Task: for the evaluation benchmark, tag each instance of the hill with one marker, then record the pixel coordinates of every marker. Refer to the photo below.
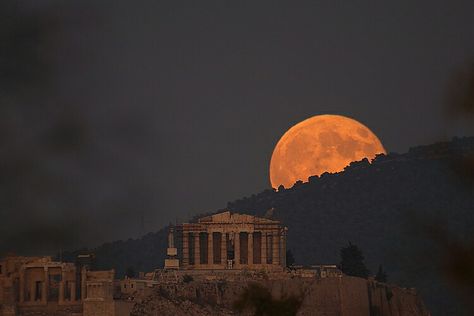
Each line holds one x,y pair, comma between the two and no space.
388,208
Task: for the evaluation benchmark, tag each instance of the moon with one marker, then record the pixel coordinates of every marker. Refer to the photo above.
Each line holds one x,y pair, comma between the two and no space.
322,143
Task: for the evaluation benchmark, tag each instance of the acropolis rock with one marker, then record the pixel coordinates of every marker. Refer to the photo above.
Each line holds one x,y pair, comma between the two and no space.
337,296
211,266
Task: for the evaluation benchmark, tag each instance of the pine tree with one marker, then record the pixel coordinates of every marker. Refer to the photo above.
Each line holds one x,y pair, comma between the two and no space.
290,260
381,275
352,261
130,273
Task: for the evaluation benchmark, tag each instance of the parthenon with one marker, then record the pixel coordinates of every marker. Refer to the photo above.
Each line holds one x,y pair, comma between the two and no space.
233,241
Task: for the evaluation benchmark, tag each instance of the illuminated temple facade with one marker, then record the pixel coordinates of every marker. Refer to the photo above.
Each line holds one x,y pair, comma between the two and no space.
233,241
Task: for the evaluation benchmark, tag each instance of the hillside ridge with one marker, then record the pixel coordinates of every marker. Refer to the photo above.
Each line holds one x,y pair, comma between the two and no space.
379,206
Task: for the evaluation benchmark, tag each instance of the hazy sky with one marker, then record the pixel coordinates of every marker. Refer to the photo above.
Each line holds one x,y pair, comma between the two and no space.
119,117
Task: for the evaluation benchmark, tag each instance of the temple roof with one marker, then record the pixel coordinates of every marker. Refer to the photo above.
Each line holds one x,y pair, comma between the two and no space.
229,217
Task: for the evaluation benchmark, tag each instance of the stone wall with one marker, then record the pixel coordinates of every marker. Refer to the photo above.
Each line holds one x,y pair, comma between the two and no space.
92,308
342,296
107,308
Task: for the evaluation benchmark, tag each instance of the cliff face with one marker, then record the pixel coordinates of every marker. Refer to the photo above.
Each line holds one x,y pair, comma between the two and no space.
328,297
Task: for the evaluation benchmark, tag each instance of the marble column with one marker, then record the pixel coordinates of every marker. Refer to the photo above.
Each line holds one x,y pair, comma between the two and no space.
61,292
264,248
224,250
237,249
185,262
250,248
276,248
33,291
22,285
197,252
283,248
45,287
61,288
73,291
210,248
83,284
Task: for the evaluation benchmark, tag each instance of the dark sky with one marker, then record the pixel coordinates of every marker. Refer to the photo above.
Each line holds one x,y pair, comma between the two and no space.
119,117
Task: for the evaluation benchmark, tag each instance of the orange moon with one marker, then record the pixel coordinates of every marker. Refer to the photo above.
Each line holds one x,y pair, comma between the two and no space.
322,143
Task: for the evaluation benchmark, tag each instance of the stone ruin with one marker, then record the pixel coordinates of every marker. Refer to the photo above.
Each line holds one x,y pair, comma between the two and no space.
227,241
209,263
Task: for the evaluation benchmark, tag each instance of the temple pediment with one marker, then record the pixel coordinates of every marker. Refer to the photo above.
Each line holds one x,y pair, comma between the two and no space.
229,217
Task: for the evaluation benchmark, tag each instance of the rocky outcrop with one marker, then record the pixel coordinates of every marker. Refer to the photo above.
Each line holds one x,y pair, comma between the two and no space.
328,297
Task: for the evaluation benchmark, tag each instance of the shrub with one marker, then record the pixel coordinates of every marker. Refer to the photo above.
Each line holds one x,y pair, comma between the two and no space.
187,278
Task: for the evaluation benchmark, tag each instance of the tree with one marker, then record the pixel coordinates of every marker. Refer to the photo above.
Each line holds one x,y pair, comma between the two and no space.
258,300
290,260
187,278
352,261
130,273
381,275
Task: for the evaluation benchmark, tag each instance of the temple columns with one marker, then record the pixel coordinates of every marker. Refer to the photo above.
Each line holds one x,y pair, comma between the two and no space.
83,284
197,252
32,292
271,252
237,249
283,249
73,291
210,248
250,248
61,288
185,249
45,287
276,248
22,285
224,249
61,292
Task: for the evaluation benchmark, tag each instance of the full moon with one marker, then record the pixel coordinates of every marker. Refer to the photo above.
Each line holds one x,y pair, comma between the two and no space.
322,143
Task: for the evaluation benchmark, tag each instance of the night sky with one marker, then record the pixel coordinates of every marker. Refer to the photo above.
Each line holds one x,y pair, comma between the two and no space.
120,117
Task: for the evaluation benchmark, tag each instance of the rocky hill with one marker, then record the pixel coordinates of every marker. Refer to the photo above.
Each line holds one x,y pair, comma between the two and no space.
329,297
385,207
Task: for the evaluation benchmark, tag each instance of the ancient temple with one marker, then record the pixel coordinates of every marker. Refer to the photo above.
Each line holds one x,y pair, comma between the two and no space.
233,241
41,286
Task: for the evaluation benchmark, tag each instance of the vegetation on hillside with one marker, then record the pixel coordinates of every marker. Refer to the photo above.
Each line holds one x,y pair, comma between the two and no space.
352,261
258,299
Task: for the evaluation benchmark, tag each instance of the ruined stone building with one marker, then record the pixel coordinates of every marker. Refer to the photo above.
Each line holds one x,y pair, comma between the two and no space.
233,241
41,286
224,243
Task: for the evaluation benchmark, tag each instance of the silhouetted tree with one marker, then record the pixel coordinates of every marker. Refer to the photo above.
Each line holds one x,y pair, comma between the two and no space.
290,260
187,278
352,261
259,300
130,272
381,275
